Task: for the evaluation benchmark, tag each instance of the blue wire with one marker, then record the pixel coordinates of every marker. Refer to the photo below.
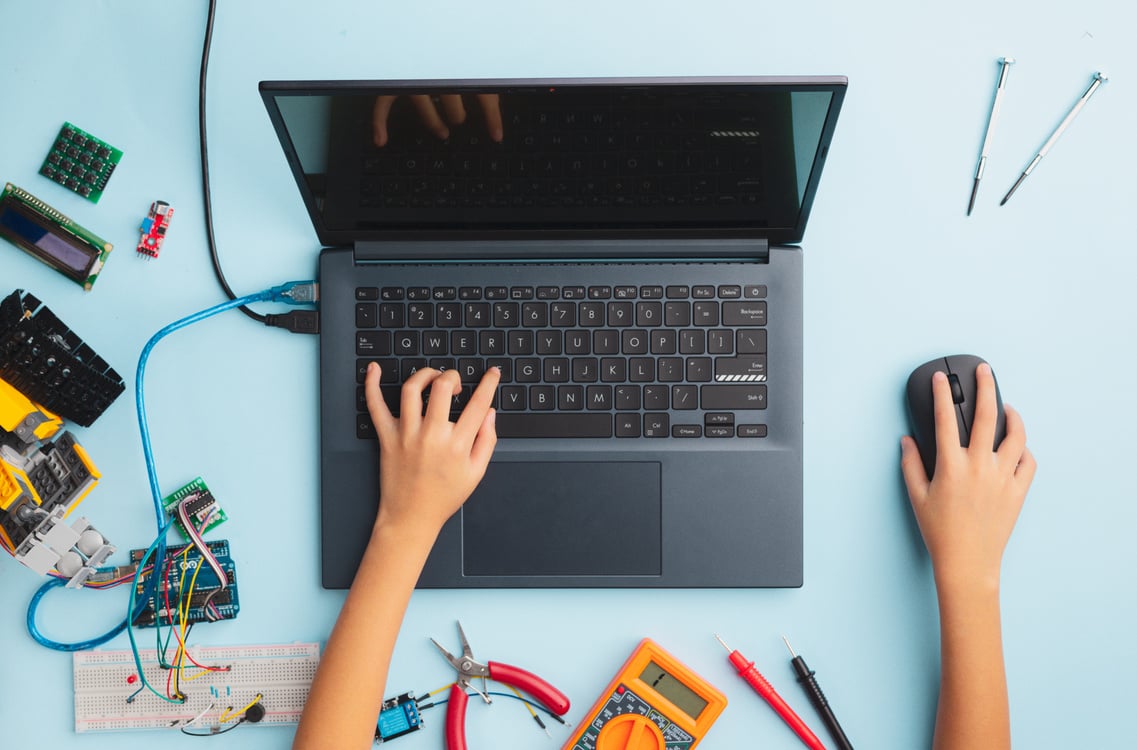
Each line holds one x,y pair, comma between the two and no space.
143,425
281,293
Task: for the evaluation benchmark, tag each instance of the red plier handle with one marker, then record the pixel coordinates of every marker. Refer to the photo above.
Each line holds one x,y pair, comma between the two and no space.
553,699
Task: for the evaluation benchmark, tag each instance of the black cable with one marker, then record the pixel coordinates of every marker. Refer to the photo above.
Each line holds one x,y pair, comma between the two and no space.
211,733
205,166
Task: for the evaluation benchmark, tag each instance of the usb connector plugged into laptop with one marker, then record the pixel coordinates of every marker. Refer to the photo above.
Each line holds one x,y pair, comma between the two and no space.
296,321
296,293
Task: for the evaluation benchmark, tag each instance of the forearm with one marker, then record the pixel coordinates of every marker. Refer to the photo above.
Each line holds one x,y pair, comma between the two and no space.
344,700
973,710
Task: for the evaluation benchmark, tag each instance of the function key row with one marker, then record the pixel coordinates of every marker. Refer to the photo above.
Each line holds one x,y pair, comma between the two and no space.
446,293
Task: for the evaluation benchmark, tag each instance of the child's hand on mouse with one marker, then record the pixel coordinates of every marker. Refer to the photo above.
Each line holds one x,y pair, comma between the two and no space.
428,464
967,511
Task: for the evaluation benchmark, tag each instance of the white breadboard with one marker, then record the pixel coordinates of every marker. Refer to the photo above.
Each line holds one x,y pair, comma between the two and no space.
105,679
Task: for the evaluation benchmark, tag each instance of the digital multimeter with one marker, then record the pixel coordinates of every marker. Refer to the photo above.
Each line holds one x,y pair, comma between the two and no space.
653,703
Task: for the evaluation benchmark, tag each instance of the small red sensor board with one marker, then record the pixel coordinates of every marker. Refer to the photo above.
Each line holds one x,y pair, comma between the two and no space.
154,228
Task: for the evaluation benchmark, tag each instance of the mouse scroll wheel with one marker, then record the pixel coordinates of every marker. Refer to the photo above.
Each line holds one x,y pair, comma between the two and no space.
956,389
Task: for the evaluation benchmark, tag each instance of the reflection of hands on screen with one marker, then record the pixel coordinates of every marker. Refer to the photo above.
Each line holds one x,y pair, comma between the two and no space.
453,112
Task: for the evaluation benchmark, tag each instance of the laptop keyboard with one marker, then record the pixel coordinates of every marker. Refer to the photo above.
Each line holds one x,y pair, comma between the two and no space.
579,361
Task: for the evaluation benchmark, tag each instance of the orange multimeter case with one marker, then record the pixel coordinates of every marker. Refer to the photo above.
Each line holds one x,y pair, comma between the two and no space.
654,702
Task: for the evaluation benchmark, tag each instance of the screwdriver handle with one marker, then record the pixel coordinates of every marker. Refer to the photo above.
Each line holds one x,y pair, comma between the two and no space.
755,679
817,698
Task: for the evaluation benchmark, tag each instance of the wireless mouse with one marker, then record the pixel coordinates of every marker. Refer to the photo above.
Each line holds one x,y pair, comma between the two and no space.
960,369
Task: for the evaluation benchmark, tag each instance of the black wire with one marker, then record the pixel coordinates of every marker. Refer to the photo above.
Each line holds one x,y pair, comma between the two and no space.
212,733
205,166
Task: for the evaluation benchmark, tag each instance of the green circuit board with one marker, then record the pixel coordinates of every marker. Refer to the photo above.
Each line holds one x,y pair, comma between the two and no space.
80,162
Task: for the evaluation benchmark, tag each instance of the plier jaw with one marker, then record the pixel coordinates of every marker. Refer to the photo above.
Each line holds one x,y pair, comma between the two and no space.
465,665
469,668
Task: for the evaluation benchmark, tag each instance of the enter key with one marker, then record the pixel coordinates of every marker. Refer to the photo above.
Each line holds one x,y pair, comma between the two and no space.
746,369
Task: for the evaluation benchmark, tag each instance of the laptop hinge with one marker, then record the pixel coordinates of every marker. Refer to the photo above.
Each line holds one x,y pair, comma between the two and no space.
449,251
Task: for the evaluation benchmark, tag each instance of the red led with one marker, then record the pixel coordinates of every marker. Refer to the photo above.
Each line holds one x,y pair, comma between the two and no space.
132,679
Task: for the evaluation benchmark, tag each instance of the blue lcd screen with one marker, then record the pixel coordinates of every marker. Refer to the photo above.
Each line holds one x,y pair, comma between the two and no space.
50,246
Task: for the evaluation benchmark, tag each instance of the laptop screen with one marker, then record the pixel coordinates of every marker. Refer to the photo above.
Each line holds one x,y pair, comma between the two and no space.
734,156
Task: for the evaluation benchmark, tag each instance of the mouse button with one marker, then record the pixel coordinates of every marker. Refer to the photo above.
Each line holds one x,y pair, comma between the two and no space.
956,389
963,423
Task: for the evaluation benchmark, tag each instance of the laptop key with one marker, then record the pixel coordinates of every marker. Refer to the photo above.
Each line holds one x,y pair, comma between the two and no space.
733,396
744,313
656,425
558,425
627,425
741,369
366,315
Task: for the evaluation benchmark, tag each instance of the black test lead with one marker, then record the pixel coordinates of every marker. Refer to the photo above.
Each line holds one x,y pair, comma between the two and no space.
817,698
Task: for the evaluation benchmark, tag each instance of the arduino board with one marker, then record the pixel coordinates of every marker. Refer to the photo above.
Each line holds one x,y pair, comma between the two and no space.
189,588
80,162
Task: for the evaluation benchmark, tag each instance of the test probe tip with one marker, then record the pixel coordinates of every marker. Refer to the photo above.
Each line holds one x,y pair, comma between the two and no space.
720,640
791,648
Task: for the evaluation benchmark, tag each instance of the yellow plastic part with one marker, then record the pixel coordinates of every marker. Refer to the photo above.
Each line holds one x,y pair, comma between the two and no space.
15,408
95,477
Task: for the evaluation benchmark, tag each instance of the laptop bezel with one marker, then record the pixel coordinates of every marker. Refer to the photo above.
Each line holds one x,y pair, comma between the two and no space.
270,89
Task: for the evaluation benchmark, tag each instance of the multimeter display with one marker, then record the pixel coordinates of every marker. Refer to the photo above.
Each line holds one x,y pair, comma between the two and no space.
673,689
654,703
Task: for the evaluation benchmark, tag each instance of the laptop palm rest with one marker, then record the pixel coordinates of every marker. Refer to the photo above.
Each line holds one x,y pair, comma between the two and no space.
568,518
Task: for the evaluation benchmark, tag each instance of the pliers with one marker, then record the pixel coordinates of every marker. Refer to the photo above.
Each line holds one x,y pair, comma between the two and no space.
468,669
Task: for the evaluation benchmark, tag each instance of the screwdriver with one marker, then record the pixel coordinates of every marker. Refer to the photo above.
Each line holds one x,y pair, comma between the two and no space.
750,673
817,698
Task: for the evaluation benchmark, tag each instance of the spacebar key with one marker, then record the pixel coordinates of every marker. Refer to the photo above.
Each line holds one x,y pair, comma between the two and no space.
553,425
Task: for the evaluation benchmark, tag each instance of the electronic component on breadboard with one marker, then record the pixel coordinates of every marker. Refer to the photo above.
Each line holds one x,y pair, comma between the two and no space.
397,716
186,573
47,362
45,233
202,507
280,674
154,228
80,162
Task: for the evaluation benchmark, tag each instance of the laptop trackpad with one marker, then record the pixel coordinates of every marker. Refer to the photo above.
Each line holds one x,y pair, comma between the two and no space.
564,519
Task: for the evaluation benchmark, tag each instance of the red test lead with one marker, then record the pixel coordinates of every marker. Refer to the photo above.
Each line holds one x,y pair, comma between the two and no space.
751,674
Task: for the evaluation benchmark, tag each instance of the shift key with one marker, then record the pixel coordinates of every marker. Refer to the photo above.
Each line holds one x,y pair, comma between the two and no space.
733,396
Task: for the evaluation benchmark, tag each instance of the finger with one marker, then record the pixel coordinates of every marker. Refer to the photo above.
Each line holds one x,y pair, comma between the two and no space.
986,410
380,112
429,116
410,403
453,109
470,421
947,430
491,110
1024,474
1011,449
385,422
912,467
442,391
485,441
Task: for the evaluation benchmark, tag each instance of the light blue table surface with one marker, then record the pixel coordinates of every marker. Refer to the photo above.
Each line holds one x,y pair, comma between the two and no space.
895,275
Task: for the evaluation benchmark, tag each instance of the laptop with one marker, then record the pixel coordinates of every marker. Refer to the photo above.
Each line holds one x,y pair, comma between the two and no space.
625,250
